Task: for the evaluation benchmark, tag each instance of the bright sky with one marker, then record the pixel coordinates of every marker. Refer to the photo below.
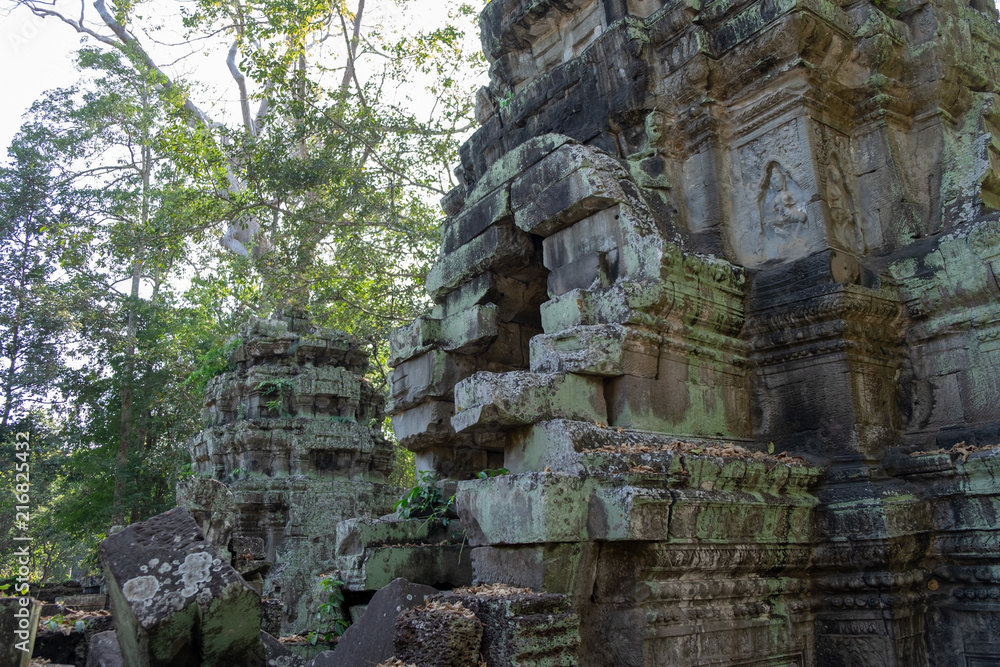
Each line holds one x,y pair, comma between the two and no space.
38,55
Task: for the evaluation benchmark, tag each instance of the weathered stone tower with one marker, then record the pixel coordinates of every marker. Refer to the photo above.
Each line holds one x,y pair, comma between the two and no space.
292,445
763,222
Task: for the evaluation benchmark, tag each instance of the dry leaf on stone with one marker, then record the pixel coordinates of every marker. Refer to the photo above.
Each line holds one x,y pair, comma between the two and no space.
494,590
959,448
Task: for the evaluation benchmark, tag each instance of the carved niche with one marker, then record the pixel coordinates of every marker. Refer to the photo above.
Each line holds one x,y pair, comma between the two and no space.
776,215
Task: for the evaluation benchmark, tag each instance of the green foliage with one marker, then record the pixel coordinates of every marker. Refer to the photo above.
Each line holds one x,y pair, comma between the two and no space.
424,500
329,617
214,361
53,553
280,390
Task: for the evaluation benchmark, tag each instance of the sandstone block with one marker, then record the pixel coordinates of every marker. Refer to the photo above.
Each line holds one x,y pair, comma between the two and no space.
673,404
594,234
642,303
570,185
563,568
277,654
448,566
473,220
588,272
369,641
530,508
515,162
516,300
175,601
354,535
211,504
469,331
414,339
523,628
431,375
424,425
500,248
438,634
503,400
606,350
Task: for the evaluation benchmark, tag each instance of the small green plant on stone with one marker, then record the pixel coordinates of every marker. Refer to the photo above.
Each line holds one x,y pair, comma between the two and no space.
329,622
492,472
279,389
424,500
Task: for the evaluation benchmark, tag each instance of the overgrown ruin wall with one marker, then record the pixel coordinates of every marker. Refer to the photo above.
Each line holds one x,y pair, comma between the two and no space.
688,232
292,446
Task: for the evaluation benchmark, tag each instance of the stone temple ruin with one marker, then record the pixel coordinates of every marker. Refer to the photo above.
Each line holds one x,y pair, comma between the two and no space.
766,223
719,289
294,431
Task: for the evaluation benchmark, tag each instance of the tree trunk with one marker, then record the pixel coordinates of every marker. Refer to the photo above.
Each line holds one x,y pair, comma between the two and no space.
127,423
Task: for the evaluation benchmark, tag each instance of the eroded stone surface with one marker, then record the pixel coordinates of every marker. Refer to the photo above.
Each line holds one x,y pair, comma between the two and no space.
438,634
104,651
175,600
19,623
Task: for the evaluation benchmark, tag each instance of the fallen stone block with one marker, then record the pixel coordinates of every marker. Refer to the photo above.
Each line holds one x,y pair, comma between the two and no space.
369,642
213,507
19,623
277,654
174,599
438,634
271,615
504,400
521,627
104,651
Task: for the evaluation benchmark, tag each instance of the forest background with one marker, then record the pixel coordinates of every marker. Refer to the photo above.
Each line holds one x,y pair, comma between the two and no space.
145,215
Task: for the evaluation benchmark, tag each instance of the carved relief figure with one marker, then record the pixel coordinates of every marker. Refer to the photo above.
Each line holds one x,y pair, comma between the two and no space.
841,205
784,232
782,205
649,166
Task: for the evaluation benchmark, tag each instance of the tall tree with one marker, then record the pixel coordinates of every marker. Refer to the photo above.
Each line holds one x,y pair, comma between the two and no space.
32,319
108,142
329,169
